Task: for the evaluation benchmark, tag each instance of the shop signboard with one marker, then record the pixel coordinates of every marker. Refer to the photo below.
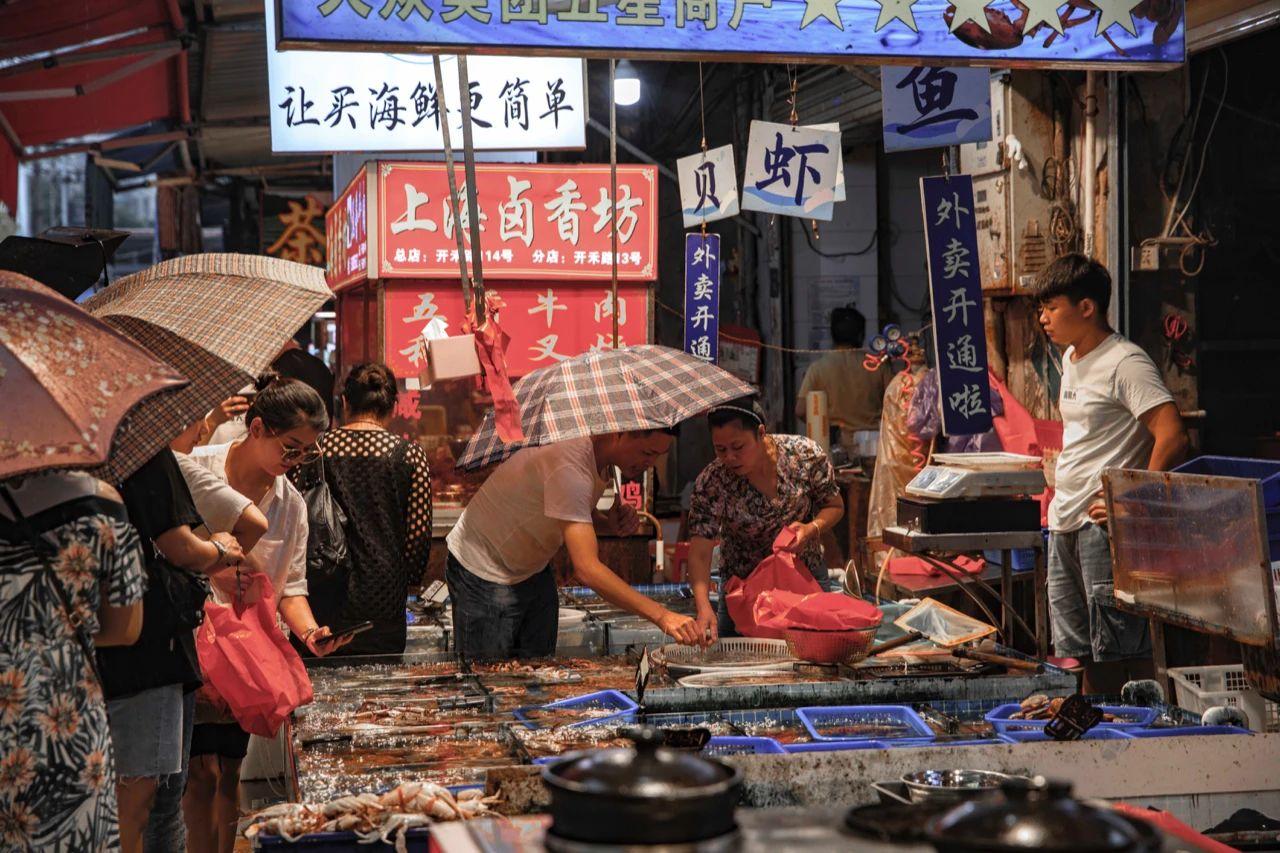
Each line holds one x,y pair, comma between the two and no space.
931,107
955,292
346,232
791,171
537,221
1122,34
548,322
708,186
371,101
702,296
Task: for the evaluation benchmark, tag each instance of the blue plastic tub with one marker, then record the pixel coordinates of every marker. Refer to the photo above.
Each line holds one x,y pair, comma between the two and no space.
1133,718
738,745
1189,731
344,842
834,746
1265,470
623,708
1024,559
1038,735
908,743
817,718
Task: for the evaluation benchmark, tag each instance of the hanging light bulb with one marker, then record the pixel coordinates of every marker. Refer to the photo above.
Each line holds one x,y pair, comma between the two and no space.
626,85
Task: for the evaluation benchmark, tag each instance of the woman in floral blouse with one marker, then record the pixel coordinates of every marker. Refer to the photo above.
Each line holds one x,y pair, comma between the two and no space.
57,776
757,485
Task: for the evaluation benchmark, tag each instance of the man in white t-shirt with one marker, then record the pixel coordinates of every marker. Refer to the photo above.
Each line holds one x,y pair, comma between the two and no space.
503,592
1116,413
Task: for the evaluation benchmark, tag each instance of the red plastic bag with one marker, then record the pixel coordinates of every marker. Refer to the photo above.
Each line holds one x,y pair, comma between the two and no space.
918,567
247,661
777,571
491,349
823,611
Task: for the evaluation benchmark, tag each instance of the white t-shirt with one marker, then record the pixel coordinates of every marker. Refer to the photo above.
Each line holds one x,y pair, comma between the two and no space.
511,528
1103,395
282,551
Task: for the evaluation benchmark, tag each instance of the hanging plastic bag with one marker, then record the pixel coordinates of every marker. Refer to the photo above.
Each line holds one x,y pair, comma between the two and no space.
778,571
247,661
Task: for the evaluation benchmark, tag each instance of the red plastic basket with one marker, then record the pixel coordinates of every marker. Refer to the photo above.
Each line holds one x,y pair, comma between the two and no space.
848,646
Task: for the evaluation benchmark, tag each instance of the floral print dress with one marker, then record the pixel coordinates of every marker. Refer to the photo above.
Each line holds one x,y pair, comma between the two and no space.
728,508
57,774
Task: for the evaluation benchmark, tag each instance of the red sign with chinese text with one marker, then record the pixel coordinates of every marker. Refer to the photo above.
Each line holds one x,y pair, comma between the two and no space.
547,322
346,229
538,221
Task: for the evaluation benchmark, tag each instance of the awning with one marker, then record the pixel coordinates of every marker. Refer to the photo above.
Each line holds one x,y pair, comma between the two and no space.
73,70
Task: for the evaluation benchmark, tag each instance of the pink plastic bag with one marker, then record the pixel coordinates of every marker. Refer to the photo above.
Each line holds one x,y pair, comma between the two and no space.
778,571
822,611
248,663
915,566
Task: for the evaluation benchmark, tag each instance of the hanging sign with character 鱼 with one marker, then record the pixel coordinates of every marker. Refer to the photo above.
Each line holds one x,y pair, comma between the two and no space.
544,221
702,296
926,107
955,293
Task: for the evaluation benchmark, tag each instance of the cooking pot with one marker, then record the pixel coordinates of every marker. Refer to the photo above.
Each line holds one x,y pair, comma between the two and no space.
647,795
1038,815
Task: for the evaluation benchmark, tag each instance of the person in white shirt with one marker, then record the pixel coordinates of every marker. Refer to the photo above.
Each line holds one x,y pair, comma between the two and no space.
1116,413
283,422
501,585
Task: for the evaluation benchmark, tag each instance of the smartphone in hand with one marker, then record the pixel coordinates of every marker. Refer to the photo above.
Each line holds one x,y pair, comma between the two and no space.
347,632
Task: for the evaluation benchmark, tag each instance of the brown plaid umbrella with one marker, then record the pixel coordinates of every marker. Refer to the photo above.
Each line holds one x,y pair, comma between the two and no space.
617,390
220,319
70,384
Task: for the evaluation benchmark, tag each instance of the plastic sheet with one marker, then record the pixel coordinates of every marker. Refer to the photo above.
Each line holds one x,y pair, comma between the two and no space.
895,465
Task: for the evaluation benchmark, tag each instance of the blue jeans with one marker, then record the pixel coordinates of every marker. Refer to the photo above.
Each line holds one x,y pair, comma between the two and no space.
1086,622
493,621
166,831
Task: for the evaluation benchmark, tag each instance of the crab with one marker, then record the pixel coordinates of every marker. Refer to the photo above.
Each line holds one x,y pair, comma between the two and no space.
1006,33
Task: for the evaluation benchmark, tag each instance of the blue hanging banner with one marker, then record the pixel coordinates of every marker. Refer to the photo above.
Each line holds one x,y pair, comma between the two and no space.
702,296
955,292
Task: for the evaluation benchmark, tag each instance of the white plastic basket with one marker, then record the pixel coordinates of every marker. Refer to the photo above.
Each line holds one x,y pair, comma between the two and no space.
726,654
1200,688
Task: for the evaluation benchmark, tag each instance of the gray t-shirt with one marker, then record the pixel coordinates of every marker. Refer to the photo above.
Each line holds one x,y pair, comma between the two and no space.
511,528
1103,396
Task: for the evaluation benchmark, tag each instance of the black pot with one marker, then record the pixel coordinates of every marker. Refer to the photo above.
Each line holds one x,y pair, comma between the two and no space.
649,795
1038,815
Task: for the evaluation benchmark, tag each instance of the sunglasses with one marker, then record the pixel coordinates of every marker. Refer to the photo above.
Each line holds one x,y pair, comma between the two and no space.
297,455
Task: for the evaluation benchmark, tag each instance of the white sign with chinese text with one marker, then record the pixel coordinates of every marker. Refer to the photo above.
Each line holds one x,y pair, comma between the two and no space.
325,101
929,107
791,171
708,186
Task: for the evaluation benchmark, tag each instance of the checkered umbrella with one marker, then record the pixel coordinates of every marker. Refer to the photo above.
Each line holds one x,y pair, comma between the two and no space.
617,390
219,318
71,386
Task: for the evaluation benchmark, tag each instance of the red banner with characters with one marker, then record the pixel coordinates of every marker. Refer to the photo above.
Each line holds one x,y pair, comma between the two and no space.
346,232
547,322
538,221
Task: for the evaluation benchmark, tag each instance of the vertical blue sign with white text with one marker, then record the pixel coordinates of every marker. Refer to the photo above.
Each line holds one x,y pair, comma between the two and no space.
955,292
702,296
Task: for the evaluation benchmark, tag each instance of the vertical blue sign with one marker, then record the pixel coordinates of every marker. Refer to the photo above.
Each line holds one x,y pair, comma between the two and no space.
955,292
702,296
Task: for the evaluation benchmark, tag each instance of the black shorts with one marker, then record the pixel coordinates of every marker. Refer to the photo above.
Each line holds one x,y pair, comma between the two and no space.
225,740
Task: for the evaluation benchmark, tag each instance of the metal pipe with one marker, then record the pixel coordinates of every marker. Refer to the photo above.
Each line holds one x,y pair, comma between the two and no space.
469,162
443,109
1089,164
613,197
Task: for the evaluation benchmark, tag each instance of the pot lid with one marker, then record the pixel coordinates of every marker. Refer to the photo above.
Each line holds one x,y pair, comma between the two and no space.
650,770
1036,815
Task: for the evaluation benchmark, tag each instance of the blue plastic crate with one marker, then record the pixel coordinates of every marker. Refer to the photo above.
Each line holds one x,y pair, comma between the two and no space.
417,839
833,746
624,709
1038,735
815,718
1132,718
1265,470
1189,731
737,745
1024,559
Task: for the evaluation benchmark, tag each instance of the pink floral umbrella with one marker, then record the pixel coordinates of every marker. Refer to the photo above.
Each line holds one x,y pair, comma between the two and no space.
67,383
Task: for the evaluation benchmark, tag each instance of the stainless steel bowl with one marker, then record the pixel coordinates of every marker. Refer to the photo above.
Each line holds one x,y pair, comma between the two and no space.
952,785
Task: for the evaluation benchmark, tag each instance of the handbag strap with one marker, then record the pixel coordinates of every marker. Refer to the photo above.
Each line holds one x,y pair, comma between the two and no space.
40,548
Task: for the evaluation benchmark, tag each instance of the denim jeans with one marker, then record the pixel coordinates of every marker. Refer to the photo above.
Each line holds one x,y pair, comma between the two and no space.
166,831
1086,622
496,621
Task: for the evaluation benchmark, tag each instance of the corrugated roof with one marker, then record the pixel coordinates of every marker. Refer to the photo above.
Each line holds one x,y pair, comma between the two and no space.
830,93
235,75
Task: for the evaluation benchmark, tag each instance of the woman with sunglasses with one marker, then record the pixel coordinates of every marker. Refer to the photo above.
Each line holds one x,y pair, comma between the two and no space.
283,423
